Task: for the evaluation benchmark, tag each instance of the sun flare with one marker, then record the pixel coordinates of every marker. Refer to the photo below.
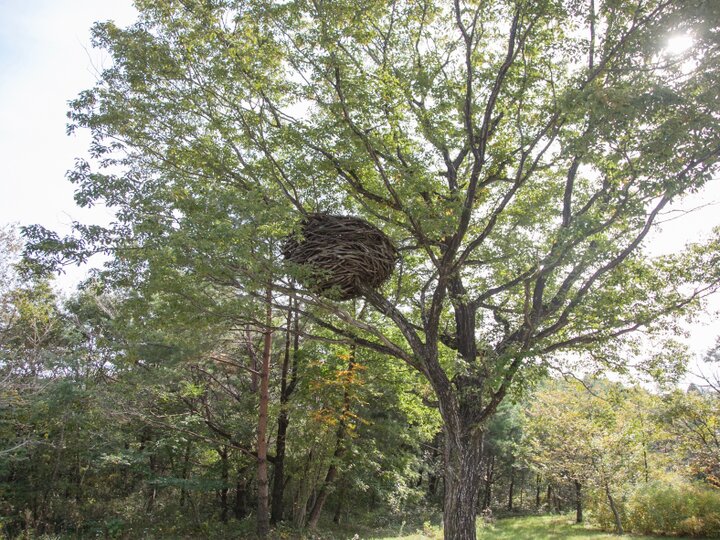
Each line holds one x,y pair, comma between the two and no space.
679,43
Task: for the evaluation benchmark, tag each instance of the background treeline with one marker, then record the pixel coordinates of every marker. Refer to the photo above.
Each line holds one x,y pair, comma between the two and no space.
123,419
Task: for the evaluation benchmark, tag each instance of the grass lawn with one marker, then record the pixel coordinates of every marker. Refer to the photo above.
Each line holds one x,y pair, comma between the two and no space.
545,528
519,528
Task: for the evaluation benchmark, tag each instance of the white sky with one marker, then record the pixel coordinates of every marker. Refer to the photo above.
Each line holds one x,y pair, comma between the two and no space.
46,59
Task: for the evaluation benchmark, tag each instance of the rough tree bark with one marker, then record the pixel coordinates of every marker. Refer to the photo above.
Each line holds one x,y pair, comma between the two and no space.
464,401
463,457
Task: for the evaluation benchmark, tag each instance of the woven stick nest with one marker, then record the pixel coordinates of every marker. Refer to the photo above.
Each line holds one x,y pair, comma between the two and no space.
341,255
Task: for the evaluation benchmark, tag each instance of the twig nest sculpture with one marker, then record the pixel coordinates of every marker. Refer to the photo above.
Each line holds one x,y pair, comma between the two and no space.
341,255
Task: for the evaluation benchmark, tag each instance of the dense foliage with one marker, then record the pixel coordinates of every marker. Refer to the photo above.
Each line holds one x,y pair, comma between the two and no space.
518,154
119,427
115,426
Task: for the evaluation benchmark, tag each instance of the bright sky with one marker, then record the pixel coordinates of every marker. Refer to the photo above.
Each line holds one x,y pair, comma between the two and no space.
46,59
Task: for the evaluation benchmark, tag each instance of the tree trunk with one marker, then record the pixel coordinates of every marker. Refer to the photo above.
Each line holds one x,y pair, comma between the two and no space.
578,502
341,503
489,480
286,390
185,472
463,459
78,478
512,485
225,478
537,492
340,447
432,484
435,465
241,493
324,490
152,488
616,515
278,488
263,516
302,492
463,416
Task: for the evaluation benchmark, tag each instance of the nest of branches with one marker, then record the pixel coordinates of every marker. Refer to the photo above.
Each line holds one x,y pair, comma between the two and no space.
340,255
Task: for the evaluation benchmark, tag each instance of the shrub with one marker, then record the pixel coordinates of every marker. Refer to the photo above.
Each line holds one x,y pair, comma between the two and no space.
657,507
670,507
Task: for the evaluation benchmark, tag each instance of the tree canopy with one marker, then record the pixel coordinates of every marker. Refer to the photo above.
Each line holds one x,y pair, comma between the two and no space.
518,153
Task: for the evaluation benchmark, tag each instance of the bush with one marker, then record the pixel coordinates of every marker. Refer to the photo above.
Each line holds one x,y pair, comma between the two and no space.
670,507
657,507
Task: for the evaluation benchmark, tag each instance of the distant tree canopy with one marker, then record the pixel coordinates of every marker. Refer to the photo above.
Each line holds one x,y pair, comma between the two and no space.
518,153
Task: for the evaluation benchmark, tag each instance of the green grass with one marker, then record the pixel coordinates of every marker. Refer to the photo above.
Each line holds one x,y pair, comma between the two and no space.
544,528
518,528
551,527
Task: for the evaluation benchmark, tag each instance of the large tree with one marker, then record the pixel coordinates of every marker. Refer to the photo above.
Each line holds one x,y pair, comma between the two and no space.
519,152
